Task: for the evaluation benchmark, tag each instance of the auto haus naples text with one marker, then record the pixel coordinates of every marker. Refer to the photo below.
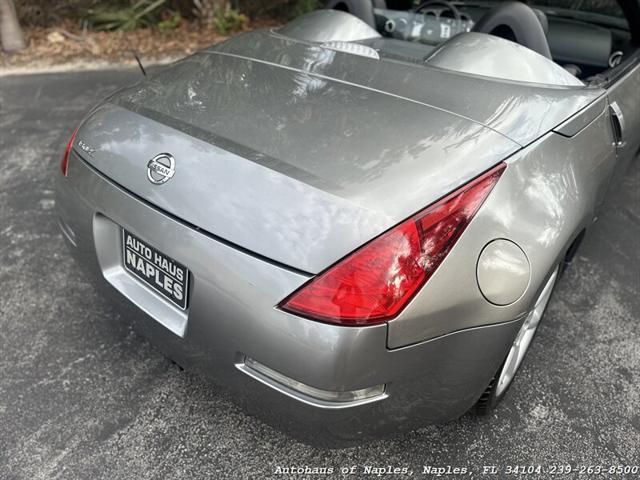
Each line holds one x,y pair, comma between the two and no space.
154,267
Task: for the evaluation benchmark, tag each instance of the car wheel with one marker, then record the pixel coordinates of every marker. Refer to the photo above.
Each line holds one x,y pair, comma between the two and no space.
503,378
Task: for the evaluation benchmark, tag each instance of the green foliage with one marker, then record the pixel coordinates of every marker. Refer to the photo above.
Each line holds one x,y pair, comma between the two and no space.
300,7
141,14
124,14
225,20
170,21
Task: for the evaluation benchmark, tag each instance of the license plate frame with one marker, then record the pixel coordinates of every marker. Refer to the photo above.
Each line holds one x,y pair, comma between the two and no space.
156,270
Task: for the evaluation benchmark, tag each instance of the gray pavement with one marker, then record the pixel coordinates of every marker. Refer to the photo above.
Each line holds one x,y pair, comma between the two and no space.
82,396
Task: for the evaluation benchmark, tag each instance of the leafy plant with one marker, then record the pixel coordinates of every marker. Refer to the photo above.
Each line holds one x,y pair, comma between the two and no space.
203,10
227,19
170,20
140,14
300,7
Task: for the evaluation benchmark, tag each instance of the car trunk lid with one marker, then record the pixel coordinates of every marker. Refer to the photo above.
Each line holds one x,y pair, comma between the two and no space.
289,166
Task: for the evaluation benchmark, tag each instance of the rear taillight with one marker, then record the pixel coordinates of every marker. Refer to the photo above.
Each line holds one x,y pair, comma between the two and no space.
64,164
374,283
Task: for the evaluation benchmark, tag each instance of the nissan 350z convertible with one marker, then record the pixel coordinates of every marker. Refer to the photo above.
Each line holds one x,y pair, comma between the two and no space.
353,223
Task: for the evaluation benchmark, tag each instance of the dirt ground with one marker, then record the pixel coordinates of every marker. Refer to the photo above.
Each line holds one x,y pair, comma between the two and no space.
70,45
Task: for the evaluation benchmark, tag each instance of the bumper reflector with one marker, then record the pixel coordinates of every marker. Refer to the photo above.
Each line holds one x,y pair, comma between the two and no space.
307,394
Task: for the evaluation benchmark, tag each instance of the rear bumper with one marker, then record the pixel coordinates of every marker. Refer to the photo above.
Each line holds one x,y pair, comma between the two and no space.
231,317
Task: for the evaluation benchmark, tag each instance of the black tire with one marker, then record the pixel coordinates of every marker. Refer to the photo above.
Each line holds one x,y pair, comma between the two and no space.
489,398
494,393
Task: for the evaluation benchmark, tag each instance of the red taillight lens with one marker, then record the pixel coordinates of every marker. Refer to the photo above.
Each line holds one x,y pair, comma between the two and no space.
374,283
64,164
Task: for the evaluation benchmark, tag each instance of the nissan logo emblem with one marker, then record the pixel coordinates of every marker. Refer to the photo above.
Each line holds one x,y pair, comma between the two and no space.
161,168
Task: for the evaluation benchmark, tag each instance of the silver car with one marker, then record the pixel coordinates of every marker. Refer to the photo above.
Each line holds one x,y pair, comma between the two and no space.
354,222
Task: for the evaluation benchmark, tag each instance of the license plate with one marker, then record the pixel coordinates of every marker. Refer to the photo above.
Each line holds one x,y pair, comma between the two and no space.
155,269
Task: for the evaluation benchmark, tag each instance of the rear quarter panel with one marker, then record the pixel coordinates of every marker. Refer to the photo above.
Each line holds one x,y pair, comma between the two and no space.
545,198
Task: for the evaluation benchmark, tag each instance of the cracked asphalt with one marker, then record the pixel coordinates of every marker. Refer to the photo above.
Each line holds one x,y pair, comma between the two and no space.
84,397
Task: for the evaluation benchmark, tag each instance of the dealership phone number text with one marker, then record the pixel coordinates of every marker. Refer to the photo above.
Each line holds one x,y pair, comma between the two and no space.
449,471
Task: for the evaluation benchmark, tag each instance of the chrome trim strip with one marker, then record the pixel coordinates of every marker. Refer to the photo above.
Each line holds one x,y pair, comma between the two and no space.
68,232
306,394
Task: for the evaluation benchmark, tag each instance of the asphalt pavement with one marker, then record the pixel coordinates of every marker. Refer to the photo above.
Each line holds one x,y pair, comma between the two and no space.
84,397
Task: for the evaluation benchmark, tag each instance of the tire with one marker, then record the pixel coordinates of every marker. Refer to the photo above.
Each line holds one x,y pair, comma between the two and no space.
503,378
